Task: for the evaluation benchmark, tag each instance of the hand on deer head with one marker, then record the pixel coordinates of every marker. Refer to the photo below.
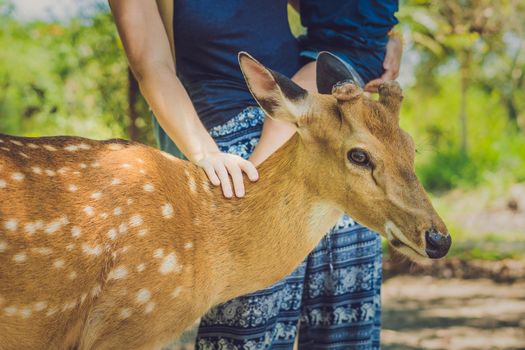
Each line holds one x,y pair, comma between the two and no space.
358,158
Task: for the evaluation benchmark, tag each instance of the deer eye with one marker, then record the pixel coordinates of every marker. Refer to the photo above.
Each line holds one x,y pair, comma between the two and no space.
359,157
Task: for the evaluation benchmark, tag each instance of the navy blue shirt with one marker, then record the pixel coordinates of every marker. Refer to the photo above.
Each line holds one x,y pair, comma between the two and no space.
208,34
354,30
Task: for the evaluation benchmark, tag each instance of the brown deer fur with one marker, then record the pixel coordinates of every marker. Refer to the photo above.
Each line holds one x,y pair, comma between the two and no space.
116,245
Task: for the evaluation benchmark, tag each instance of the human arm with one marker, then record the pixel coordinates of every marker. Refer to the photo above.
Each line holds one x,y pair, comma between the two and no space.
391,64
150,58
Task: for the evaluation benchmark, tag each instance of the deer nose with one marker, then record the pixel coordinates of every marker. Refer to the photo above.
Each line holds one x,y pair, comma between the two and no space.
438,244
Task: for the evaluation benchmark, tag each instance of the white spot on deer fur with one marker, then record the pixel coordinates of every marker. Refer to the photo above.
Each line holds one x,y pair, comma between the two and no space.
42,250
11,224
76,172
83,166
117,211
32,145
112,234
49,148
18,143
2,141
125,166
54,226
115,146
51,311
142,171
95,165
96,195
115,182
20,257
188,245
3,246
104,216
84,146
88,250
206,185
62,170
26,312
169,264
129,201
149,307
50,173
3,184
70,247
143,296
135,220
118,273
158,253
124,313
18,176
72,188
72,275
89,211
37,170
141,267
141,161
83,298
95,291
5,149
40,306
76,231
167,211
10,310
142,232
192,185
32,227
59,264
68,306
123,228
176,292
149,187
23,155
71,148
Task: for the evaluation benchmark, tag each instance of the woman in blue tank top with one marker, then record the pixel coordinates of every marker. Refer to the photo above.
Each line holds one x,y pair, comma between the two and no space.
202,103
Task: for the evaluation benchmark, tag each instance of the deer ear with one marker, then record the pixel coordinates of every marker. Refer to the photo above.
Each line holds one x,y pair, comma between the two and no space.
332,70
277,95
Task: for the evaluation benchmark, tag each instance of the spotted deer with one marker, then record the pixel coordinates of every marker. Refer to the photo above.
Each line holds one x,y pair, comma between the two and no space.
116,245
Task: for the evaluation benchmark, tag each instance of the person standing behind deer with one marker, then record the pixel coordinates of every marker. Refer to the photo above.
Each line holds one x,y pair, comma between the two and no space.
203,105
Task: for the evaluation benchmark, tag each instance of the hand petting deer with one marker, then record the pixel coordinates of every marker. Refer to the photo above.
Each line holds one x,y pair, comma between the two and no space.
112,244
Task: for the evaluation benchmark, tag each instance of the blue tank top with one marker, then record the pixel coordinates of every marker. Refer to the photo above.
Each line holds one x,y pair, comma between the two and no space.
208,34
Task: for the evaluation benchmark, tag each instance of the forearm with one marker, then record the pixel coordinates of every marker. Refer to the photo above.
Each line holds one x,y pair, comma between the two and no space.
175,112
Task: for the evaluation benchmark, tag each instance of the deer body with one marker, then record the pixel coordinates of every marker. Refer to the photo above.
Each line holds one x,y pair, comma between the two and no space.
115,245
118,238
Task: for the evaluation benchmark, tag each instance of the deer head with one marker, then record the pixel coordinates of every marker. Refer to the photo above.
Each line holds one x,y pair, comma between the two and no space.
359,159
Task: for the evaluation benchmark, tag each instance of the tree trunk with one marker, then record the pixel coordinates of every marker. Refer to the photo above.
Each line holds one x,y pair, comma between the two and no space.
133,93
465,77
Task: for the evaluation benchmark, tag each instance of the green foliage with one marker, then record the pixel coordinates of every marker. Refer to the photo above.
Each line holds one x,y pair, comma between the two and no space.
64,78
497,146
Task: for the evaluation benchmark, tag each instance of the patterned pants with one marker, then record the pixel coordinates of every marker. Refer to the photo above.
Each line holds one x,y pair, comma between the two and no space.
332,300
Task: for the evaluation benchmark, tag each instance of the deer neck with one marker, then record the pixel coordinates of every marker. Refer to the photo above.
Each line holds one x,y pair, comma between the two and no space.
278,223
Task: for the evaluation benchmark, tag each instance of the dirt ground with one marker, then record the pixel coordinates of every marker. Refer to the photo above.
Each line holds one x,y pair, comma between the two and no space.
421,312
